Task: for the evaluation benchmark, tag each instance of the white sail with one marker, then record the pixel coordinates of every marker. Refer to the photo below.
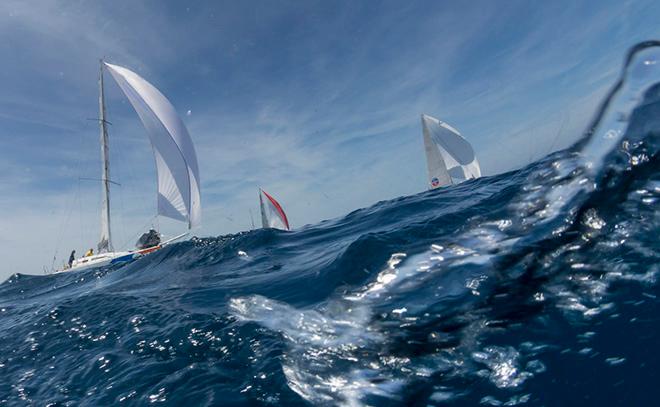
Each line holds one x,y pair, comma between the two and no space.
449,156
272,214
176,160
436,167
262,208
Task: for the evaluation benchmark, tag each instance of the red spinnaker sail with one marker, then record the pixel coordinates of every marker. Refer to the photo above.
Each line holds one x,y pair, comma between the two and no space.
279,209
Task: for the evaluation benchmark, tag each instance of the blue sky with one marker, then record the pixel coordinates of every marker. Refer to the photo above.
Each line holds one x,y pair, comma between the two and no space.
318,102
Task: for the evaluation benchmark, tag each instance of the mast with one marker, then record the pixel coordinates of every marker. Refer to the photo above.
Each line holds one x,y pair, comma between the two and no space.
251,219
264,218
105,243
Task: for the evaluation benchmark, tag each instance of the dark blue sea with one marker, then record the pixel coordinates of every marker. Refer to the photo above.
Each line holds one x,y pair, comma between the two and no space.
534,287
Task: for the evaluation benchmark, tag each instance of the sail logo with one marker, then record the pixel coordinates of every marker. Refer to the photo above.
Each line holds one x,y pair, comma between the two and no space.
435,182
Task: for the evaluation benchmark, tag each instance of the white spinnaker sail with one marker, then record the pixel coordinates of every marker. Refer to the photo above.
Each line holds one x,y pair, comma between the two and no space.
272,214
176,160
448,154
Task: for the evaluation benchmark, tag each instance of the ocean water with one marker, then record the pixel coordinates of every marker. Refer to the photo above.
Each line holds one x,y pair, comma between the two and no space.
534,287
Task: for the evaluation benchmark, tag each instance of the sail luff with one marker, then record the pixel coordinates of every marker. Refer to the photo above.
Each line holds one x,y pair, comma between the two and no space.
105,242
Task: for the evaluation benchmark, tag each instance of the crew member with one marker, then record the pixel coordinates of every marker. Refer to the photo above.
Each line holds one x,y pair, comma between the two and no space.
90,252
72,257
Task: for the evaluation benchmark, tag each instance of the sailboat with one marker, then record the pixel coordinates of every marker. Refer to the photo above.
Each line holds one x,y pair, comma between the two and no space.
176,164
450,158
272,214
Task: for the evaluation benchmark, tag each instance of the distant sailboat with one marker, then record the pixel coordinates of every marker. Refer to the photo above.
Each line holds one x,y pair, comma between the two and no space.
176,165
450,159
272,214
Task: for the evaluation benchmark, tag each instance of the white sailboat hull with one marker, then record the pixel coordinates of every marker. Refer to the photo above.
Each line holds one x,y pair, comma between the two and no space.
99,260
110,258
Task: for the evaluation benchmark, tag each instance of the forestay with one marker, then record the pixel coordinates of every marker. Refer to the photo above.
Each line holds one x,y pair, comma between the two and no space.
448,155
176,160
